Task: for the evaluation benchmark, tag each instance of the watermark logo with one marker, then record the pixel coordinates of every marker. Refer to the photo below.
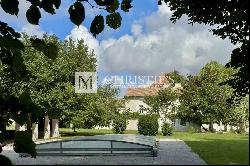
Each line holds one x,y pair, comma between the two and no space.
85,82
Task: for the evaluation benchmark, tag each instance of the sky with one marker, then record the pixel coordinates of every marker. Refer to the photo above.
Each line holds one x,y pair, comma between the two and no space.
147,43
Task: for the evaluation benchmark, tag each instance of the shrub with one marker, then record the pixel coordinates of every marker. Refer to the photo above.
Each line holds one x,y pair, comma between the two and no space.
119,124
191,130
24,144
167,129
5,160
148,125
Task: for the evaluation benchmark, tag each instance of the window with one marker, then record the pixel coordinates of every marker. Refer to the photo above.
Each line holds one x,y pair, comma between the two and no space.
141,109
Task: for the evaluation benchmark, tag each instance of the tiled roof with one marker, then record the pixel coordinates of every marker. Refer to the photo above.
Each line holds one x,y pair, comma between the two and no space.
141,91
163,82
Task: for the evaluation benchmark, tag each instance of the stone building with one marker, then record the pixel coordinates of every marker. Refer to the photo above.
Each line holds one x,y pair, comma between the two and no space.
134,102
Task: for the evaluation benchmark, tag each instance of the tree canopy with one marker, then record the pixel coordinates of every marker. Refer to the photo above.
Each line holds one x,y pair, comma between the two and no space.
203,99
229,19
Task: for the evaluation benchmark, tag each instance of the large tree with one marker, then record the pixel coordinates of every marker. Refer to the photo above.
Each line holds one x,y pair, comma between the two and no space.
229,19
164,102
204,99
41,91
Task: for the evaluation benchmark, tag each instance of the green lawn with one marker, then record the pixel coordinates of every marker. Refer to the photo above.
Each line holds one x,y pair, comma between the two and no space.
221,149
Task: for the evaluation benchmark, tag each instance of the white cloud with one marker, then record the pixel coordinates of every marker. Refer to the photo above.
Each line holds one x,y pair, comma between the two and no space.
163,46
136,29
82,32
33,30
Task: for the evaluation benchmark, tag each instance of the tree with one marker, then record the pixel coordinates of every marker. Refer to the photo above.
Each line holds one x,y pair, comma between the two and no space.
42,91
203,99
90,110
230,17
240,114
175,77
164,102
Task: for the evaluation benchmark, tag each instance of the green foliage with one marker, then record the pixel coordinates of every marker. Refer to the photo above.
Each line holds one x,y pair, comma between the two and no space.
33,15
23,143
163,101
230,19
191,129
203,99
97,25
126,5
130,115
176,77
5,160
167,129
77,13
114,20
119,124
148,124
10,6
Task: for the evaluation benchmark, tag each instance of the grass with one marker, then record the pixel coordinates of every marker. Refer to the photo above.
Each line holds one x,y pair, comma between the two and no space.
215,149
219,149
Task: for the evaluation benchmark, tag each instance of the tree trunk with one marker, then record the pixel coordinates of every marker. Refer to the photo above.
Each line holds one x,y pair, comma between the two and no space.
211,129
29,124
2,124
225,127
241,127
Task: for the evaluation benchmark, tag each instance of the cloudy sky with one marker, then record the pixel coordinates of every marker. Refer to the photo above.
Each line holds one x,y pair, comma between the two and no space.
147,43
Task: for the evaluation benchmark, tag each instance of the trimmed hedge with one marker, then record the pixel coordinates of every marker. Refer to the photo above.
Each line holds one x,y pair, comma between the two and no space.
167,129
148,125
24,144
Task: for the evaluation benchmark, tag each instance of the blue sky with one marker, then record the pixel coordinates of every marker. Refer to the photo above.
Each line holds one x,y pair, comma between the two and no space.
60,24
147,43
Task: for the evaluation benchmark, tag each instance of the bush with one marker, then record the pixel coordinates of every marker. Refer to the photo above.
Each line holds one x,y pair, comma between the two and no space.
23,143
5,160
119,124
167,129
191,130
148,125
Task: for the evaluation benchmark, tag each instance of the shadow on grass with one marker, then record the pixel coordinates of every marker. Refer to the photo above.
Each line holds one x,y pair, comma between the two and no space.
221,152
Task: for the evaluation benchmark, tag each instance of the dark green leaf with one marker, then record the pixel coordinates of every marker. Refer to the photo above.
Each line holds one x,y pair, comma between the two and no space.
10,6
77,13
97,25
33,15
126,5
113,6
47,5
11,43
38,44
114,20
100,2
35,2
57,3
51,51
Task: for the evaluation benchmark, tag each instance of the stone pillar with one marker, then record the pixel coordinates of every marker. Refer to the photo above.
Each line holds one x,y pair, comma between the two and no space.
34,131
55,128
46,127
18,127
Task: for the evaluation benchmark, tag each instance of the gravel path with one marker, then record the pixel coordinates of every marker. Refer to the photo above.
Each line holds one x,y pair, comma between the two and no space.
171,152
